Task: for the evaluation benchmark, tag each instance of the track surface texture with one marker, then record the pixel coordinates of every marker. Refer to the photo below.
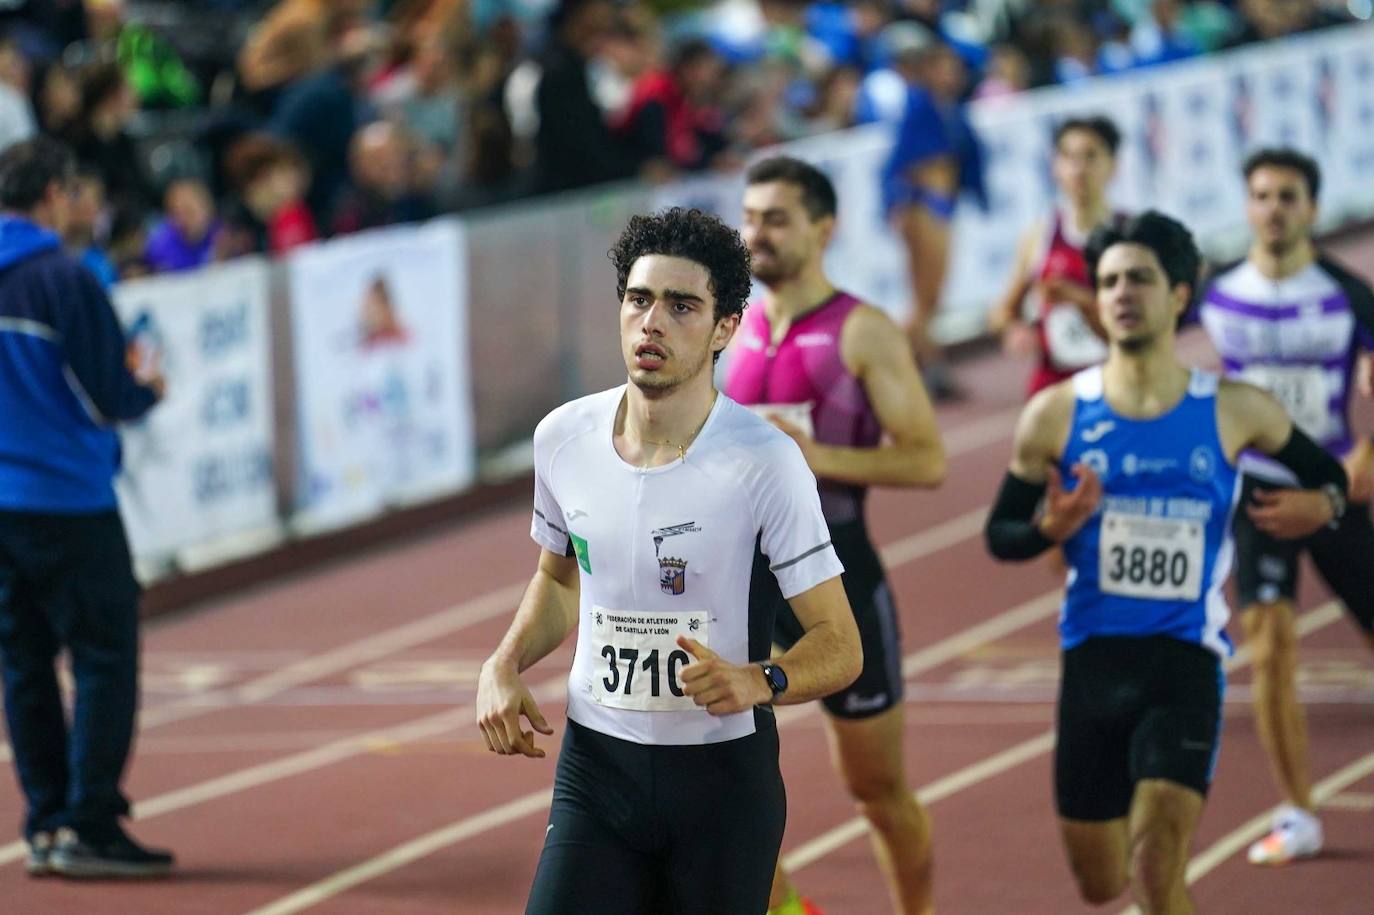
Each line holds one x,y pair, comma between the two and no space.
311,745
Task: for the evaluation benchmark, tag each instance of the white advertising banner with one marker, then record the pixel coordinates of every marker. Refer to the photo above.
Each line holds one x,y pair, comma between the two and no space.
198,469
1185,130
383,387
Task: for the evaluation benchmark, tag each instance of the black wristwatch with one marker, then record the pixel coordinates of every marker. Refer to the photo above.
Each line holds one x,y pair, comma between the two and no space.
776,677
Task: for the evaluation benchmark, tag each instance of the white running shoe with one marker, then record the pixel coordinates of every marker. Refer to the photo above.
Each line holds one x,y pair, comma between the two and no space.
1296,834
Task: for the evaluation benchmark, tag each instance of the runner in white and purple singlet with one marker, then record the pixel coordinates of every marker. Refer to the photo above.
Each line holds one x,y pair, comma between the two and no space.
1294,322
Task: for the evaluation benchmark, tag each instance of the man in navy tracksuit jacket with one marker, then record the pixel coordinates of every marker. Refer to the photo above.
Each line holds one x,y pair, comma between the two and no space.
66,580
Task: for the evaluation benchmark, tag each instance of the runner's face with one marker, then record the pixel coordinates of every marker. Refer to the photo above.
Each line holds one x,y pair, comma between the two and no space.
1134,300
1083,165
1279,207
782,237
668,330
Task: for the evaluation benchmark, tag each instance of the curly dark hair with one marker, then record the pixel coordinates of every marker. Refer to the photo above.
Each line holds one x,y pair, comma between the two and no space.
1168,238
695,236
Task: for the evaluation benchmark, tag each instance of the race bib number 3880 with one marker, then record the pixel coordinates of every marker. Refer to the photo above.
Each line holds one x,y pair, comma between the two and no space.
638,663
1153,558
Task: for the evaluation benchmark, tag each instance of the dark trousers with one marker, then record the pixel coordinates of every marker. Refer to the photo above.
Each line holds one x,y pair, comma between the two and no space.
66,581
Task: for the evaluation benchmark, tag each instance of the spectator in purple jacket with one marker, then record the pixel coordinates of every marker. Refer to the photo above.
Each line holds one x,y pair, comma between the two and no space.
185,238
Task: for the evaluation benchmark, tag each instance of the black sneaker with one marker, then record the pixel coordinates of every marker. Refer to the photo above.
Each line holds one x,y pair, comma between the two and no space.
39,861
121,857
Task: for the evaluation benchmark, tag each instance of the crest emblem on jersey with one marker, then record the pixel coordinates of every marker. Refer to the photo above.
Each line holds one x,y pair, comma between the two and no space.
672,570
672,575
1096,459
1202,464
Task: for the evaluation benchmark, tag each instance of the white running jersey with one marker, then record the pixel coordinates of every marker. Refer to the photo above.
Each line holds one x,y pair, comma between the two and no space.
669,550
1297,338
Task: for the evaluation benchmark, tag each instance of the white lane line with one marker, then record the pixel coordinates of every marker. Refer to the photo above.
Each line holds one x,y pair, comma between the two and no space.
1018,617
411,851
962,439
369,648
846,832
817,848
1252,829
1362,801
238,742
491,604
932,540
927,542
425,728
981,432
957,645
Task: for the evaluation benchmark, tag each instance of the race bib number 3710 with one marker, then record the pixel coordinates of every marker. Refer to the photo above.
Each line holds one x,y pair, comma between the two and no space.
638,663
1153,558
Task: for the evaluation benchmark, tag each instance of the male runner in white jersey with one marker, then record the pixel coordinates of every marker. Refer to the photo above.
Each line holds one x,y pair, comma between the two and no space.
1149,449
1294,322
1049,262
650,501
838,376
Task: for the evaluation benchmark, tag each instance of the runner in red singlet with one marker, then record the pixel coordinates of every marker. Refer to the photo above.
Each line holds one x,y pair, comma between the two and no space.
1050,262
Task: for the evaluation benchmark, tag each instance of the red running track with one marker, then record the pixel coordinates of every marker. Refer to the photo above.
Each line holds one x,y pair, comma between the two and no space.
311,745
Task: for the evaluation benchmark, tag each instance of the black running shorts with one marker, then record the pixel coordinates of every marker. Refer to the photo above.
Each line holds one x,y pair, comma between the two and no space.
879,686
1267,568
671,830
1132,709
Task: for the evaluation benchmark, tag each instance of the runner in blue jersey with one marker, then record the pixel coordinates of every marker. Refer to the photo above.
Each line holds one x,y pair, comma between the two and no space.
1131,466
1294,323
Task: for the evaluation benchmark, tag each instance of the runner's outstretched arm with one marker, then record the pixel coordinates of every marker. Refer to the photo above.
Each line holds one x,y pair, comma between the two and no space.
547,613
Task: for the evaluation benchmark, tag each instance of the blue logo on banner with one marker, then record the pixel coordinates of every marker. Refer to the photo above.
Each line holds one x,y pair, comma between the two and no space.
226,403
223,330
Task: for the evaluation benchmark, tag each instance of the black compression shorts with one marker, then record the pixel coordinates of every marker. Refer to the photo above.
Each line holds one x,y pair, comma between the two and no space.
671,830
1267,568
1132,709
879,686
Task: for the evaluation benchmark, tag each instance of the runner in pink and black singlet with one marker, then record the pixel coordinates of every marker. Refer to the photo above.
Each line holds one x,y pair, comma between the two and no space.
803,380
838,376
1050,262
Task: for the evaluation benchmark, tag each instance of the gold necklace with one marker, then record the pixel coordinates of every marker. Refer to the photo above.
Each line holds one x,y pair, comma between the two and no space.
682,446
681,450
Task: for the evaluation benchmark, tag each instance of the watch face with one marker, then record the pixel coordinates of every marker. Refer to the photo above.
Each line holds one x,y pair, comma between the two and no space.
777,679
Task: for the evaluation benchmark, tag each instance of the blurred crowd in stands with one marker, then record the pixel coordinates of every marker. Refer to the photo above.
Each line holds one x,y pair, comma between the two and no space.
206,129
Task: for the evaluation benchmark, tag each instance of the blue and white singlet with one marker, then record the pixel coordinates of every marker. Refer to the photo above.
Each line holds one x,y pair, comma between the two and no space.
1155,557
